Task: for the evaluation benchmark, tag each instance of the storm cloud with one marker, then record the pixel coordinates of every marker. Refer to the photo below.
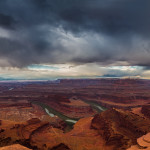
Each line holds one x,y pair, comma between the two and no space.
107,32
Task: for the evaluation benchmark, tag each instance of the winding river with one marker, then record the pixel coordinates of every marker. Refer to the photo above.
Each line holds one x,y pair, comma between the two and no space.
70,121
52,112
96,106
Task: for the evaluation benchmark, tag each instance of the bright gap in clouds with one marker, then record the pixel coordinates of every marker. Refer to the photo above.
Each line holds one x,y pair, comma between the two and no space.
55,71
42,67
86,70
125,68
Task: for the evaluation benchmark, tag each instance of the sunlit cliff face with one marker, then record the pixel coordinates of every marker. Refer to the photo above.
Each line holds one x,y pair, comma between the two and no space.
42,39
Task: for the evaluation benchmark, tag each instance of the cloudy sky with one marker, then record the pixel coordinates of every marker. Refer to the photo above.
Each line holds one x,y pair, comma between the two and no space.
48,39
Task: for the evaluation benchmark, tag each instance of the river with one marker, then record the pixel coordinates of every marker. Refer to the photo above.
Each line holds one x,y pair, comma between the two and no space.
52,112
96,106
70,121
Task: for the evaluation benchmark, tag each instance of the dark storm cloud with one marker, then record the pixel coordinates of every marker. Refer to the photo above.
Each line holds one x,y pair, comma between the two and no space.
29,31
146,67
6,21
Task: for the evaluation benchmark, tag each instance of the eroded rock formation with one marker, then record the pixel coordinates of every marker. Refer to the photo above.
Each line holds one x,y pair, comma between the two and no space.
143,143
146,110
15,147
113,129
120,128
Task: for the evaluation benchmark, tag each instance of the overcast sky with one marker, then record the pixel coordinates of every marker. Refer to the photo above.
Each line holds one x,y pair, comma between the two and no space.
46,39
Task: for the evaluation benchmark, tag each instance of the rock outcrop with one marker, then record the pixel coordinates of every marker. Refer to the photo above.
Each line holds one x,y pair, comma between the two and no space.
143,143
14,132
113,129
15,147
146,110
120,128
36,134
61,147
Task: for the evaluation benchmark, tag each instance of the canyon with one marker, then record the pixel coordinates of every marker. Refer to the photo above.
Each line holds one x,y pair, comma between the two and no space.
75,114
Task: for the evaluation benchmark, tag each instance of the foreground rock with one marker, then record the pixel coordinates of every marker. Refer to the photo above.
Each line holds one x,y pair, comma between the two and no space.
120,128
14,147
80,138
61,147
143,143
14,132
41,135
113,129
